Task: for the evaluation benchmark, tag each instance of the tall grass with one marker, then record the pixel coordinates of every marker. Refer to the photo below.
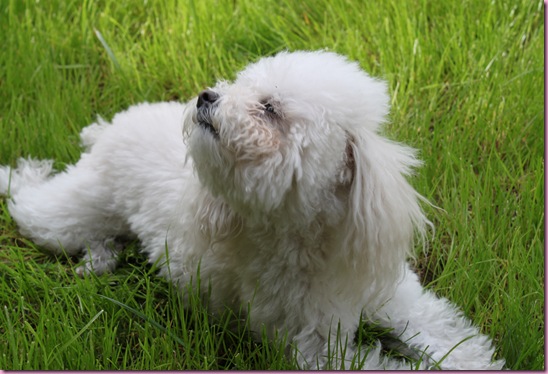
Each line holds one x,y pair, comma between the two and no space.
466,80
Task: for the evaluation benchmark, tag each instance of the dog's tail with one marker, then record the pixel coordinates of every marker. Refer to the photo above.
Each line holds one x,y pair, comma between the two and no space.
90,134
29,172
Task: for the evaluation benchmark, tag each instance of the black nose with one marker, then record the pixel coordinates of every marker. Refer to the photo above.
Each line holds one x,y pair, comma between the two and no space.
206,97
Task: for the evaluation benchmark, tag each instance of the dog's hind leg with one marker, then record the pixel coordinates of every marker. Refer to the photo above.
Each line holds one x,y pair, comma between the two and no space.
66,213
100,257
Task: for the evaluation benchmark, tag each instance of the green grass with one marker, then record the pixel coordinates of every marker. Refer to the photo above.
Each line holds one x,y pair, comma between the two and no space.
466,79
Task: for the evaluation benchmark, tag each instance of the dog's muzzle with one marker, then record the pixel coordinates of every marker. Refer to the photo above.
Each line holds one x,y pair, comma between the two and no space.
205,105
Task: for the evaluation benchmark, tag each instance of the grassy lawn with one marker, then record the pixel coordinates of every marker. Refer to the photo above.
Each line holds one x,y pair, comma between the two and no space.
466,79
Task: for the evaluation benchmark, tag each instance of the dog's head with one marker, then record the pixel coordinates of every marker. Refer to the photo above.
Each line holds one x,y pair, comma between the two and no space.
284,124
297,134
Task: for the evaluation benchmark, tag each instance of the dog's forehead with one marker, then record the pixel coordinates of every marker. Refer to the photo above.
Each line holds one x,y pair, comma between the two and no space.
316,76
299,73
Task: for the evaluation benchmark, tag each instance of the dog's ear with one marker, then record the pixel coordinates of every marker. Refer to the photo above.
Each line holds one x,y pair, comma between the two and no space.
346,175
383,209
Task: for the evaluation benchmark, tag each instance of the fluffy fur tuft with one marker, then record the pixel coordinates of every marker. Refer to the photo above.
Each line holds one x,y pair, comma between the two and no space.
281,190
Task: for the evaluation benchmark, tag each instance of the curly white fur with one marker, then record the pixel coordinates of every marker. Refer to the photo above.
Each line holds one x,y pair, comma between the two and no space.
284,195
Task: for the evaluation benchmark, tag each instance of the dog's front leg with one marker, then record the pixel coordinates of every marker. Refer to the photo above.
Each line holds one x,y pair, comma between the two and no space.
336,349
434,326
318,347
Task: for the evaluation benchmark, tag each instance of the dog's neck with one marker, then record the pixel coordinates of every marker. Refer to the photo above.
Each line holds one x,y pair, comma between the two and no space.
303,221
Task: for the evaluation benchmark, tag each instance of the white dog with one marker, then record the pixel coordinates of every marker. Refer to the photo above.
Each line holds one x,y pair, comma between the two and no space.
280,191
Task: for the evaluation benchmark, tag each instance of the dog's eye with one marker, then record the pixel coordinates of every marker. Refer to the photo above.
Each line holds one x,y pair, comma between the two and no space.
269,108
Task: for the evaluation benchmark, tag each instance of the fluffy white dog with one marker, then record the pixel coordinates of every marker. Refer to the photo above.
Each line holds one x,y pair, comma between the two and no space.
280,191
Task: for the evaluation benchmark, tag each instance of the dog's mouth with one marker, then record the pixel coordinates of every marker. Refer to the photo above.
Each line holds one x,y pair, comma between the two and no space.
203,119
209,127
